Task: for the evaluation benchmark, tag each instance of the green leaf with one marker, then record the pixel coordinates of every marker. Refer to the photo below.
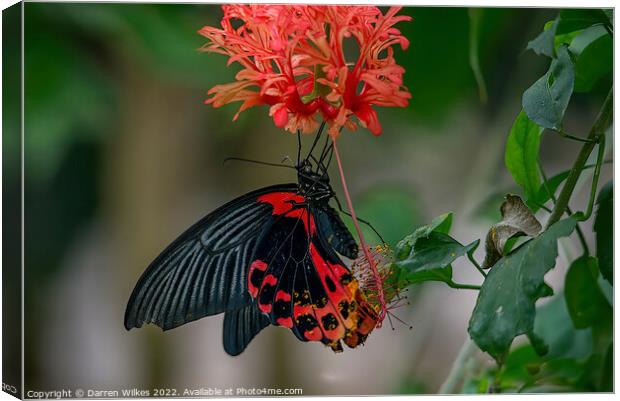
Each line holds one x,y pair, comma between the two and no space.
427,254
563,372
577,19
565,38
440,224
603,227
521,157
519,369
563,368
430,259
586,303
524,368
505,307
525,372
554,325
480,383
606,382
549,188
546,190
544,43
545,102
593,50
539,345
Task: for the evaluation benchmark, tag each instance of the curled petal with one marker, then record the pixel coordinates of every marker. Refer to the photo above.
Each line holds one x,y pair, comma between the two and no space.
368,116
279,114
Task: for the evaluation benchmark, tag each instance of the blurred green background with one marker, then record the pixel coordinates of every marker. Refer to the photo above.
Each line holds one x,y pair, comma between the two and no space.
122,155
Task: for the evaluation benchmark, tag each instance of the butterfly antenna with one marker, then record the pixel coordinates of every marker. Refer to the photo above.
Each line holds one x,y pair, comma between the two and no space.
327,150
324,150
358,219
241,159
316,139
326,147
313,158
320,165
298,147
331,154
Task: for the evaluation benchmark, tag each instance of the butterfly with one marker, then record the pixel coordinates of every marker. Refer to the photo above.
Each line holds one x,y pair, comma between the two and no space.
269,257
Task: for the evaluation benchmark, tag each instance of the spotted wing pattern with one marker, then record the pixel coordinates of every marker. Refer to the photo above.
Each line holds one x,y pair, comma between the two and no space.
300,283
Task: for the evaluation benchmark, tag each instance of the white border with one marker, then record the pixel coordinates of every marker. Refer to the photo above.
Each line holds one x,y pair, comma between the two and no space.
450,3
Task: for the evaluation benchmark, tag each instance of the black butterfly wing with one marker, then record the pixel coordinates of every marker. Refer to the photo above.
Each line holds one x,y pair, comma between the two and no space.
300,282
241,326
334,233
204,271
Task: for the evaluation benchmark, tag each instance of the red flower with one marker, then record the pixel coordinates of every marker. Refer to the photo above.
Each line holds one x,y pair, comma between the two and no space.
293,59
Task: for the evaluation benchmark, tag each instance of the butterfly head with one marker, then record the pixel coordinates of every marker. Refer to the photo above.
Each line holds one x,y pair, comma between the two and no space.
313,182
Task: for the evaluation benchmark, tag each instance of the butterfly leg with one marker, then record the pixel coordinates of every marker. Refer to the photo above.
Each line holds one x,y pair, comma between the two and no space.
360,220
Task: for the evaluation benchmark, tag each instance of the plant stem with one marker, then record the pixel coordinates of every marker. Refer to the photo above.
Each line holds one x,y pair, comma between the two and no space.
582,237
597,173
476,264
458,286
545,183
543,207
457,372
573,137
597,130
475,16
369,258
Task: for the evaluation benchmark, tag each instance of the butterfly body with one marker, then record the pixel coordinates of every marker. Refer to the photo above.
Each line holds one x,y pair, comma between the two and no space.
270,257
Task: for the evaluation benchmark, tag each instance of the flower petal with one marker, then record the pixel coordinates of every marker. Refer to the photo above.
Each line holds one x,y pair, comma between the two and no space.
293,60
279,114
368,116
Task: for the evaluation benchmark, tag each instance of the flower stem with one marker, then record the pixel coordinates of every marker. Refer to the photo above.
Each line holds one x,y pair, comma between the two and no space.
367,255
596,132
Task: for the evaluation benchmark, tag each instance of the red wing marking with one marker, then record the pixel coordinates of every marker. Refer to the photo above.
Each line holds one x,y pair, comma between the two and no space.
255,276
269,283
336,292
343,313
286,322
283,296
330,324
283,203
353,309
314,334
299,310
270,279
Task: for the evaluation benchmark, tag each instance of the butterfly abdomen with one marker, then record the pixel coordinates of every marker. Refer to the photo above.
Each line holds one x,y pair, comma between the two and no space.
336,232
